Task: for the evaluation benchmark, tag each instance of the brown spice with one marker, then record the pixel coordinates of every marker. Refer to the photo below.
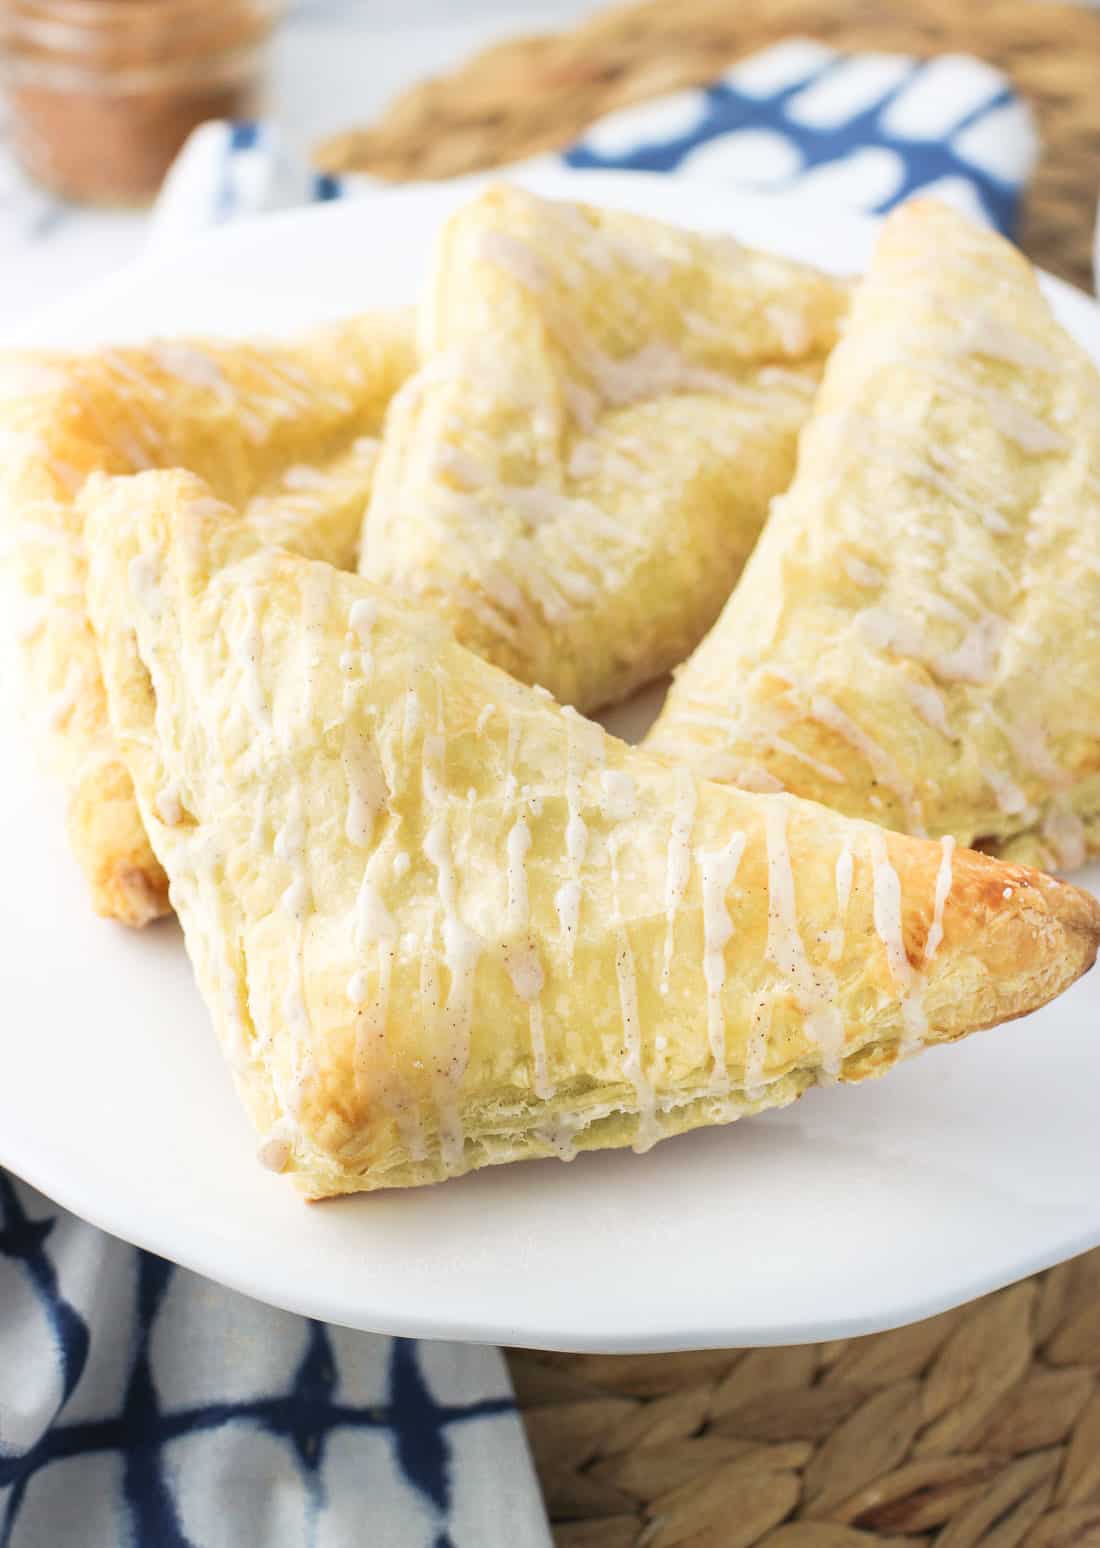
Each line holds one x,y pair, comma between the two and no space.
103,93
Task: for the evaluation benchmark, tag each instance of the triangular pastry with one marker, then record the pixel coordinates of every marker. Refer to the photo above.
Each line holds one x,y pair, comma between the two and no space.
288,431
605,406
441,921
915,639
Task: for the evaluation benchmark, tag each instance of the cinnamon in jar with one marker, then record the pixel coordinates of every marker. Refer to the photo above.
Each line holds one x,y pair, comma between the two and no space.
102,94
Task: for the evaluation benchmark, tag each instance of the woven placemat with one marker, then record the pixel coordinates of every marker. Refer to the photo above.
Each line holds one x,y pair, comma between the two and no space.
537,93
981,1426
978,1427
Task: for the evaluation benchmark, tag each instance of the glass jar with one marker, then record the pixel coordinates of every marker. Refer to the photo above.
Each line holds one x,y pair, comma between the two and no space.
101,94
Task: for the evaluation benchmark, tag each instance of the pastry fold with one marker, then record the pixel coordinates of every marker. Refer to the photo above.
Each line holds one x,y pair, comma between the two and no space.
288,432
442,922
581,466
916,638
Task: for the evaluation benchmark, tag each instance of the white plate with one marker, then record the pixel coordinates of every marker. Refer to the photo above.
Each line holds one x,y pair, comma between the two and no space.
855,1210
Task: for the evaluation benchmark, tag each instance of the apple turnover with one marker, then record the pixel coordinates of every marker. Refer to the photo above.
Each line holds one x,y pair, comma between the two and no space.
605,406
286,431
916,638
442,922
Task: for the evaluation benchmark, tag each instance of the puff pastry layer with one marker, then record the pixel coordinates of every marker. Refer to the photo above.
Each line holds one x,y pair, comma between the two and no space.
442,922
917,636
606,405
287,431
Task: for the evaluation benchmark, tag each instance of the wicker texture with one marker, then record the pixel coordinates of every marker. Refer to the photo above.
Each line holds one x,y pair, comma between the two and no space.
537,93
979,1427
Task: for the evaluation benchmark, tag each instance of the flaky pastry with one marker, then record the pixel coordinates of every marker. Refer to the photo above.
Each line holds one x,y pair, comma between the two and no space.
915,639
605,406
442,922
286,431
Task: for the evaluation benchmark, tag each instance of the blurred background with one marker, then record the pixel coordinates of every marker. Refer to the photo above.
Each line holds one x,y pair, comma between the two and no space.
100,95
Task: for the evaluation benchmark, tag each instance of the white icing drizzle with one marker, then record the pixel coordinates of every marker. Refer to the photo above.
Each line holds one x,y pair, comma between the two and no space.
929,704
274,1153
862,573
167,805
1030,747
633,1068
144,583
131,373
1006,792
362,619
401,863
747,776
368,792
538,506
788,952
1017,424
515,258
550,600
301,475
461,950
457,463
654,370
826,770
189,365
62,704
943,888
567,902
972,661
483,719
710,716
373,920
717,868
584,459
517,845
1065,832
678,864
521,957
944,607
983,334
560,1133
619,795
844,872
881,764
886,909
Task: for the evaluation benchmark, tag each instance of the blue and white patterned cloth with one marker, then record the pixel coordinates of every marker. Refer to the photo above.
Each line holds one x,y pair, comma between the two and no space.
859,131
143,1406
